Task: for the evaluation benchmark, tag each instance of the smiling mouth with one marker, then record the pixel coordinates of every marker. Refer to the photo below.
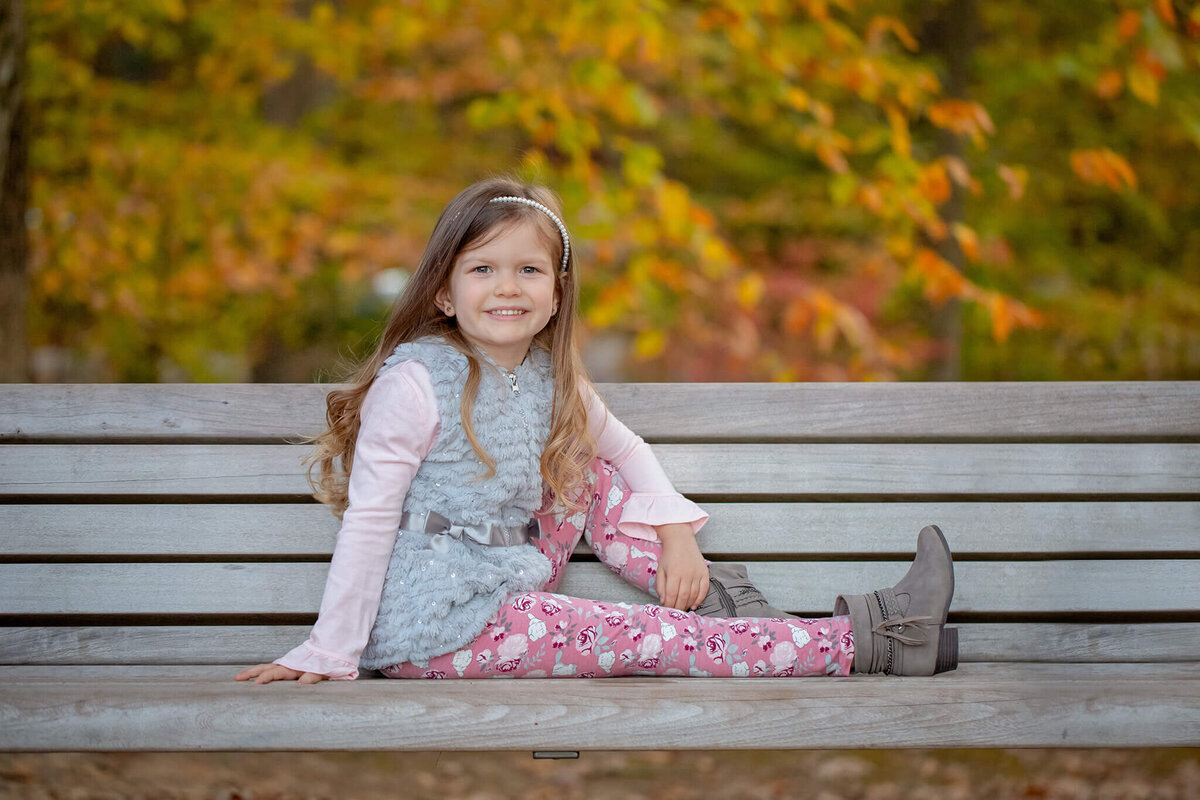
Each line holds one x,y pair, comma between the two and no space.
506,312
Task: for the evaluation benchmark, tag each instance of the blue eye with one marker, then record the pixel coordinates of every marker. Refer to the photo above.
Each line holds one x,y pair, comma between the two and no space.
481,268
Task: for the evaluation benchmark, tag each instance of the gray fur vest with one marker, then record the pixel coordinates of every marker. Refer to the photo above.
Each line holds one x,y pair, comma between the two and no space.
434,602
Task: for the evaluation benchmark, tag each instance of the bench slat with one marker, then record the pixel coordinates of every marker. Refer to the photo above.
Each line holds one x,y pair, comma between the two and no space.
1133,585
245,645
978,705
664,412
779,529
832,470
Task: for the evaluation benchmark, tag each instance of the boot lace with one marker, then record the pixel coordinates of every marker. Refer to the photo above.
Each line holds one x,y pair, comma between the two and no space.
921,623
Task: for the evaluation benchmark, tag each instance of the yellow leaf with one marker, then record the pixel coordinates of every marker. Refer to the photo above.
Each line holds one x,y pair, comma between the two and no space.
673,204
1143,84
649,343
797,99
825,321
750,290
823,112
715,258
901,139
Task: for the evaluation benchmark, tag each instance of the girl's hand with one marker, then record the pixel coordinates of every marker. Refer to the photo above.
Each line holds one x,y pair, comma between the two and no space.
277,672
682,571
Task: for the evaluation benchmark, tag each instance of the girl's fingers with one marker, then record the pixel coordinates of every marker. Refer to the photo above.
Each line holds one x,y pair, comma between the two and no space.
253,672
668,590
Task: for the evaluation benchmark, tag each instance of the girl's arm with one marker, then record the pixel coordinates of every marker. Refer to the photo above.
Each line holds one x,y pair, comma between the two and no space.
654,502
399,425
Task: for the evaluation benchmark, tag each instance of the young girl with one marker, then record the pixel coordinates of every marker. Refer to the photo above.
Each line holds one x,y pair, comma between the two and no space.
476,454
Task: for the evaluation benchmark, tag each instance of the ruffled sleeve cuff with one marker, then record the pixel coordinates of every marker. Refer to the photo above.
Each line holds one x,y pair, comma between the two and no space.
307,658
644,510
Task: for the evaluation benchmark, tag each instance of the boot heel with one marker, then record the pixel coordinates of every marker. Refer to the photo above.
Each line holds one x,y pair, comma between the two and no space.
947,657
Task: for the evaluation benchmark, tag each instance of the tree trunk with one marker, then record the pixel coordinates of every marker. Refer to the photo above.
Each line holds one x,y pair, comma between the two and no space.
952,36
14,196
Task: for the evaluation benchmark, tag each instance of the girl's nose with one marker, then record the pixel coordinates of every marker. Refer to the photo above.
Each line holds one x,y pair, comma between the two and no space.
508,285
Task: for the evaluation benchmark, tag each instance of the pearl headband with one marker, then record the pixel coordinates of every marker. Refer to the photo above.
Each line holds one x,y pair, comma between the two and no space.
562,229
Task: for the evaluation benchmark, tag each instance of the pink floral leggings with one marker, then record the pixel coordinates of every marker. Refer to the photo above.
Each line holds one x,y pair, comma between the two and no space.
544,634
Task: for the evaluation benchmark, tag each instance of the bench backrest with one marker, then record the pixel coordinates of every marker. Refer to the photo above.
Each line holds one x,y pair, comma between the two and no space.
172,524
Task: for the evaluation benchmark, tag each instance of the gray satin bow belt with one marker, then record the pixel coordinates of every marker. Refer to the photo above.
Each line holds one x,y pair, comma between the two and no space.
443,530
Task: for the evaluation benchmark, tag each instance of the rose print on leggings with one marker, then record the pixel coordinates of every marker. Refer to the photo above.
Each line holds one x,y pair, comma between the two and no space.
546,634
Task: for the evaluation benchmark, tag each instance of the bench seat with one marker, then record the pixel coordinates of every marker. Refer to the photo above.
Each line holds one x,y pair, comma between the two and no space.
978,705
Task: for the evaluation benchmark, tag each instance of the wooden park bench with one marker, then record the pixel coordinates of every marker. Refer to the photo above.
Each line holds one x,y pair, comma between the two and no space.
158,539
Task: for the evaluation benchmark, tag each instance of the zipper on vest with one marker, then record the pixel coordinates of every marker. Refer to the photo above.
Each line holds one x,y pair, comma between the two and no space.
512,379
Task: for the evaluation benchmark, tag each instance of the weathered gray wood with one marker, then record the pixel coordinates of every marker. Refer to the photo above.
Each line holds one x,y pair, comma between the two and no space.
1079,643
1060,499
785,469
241,646
665,412
1135,585
778,529
979,705
183,529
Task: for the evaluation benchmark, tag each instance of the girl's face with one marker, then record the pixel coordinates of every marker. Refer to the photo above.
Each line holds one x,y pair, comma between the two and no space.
503,292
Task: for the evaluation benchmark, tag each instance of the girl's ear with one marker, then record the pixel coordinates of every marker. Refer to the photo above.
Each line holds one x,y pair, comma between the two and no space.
442,301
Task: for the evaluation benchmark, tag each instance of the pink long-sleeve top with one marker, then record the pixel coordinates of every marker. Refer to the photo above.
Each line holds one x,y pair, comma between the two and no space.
399,425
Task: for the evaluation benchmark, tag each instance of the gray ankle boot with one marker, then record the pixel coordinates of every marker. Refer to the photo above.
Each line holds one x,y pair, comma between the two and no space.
731,594
901,630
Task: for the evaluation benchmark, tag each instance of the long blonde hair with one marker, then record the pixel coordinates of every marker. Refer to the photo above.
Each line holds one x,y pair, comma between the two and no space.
469,219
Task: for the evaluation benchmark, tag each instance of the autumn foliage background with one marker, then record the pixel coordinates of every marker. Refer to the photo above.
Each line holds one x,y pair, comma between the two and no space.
232,190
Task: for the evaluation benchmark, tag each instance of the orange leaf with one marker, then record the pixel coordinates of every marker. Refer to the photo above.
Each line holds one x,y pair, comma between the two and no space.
797,316
831,156
870,198
967,240
942,281
1166,11
961,116
1002,321
1128,24
1103,167
880,24
933,184
1109,84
